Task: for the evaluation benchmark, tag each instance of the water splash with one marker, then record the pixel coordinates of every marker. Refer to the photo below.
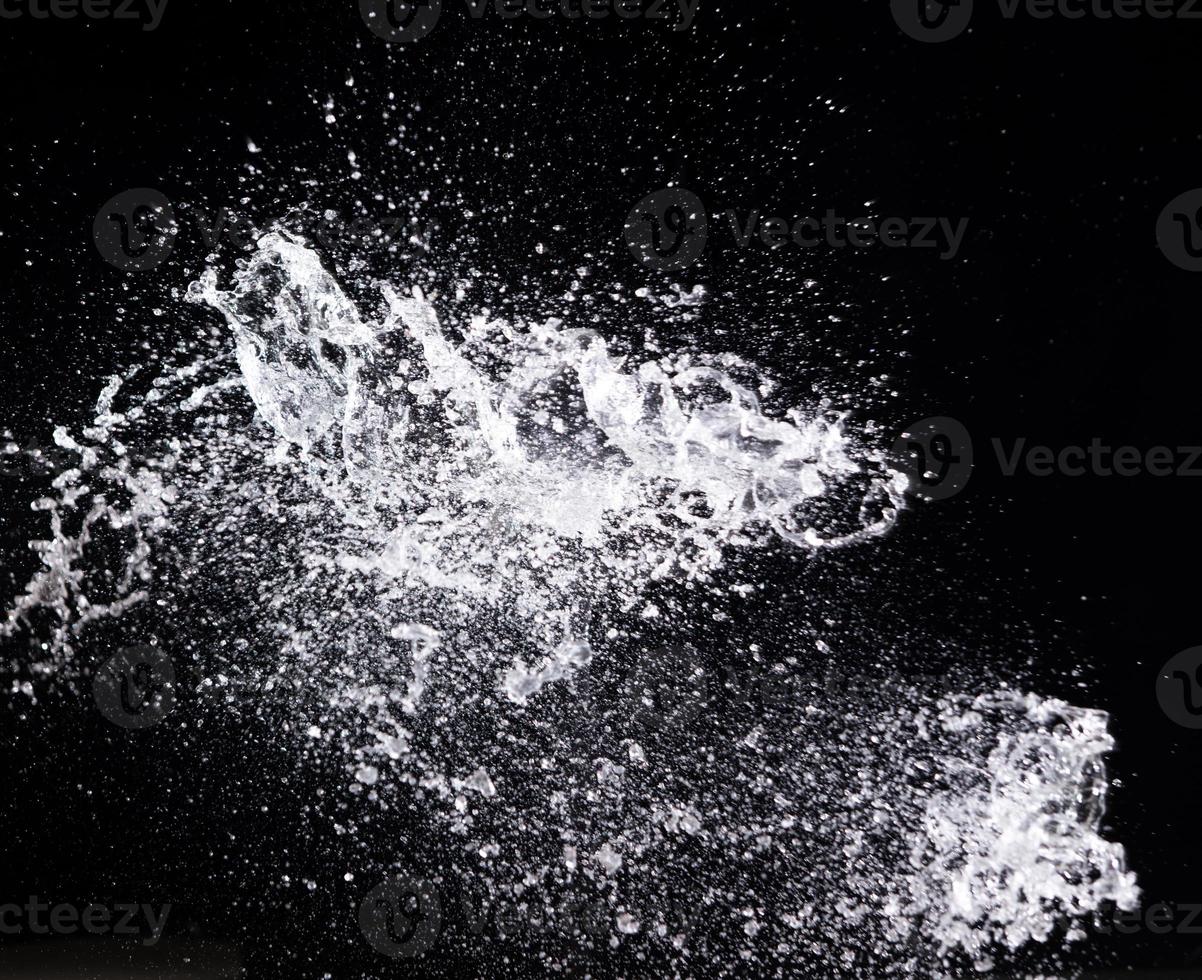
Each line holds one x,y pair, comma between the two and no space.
432,525
1010,852
545,422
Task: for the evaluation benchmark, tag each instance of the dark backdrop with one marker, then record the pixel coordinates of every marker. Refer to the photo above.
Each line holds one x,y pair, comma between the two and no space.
1059,321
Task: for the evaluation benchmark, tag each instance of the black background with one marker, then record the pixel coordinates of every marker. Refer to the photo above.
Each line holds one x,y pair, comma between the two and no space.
1059,321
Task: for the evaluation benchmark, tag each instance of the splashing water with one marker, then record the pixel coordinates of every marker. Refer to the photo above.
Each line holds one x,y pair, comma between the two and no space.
429,524
1010,848
564,440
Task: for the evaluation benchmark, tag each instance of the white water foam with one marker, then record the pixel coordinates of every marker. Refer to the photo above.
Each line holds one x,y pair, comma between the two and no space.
433,524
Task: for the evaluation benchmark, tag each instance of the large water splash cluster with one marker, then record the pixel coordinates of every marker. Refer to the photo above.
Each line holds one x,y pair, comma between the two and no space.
431,533
540,426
